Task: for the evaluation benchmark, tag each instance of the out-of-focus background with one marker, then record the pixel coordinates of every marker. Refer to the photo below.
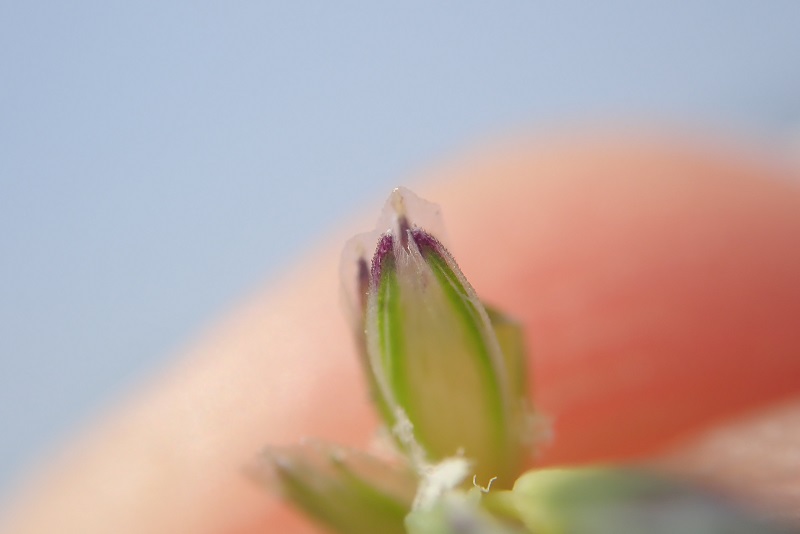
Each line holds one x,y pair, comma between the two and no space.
160,159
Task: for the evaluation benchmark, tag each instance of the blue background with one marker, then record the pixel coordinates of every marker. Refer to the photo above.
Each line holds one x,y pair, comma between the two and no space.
160,159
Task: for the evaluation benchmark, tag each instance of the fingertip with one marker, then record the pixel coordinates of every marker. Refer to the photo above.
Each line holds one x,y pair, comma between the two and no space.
658,281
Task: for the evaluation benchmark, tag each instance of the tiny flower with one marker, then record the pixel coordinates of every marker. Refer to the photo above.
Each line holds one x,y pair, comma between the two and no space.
433,357
447,375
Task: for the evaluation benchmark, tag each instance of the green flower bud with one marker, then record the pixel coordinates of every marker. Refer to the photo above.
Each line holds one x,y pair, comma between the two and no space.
432,355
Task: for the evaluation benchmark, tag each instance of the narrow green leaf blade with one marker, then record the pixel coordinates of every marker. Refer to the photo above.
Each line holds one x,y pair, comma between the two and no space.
348,491
511,338
604,500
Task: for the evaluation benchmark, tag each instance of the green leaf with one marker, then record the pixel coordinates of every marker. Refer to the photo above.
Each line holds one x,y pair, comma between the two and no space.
605,500
511,338
348,491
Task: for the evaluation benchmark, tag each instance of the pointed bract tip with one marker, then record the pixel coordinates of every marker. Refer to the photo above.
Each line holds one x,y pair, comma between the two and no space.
398,202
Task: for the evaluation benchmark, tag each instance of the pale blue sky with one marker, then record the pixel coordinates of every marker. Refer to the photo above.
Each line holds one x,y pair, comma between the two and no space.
154,156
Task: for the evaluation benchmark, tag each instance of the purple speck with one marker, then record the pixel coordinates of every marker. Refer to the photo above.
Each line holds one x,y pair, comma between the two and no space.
426,241
385,244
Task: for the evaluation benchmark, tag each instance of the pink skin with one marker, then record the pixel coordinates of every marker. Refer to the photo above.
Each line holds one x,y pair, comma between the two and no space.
659,285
